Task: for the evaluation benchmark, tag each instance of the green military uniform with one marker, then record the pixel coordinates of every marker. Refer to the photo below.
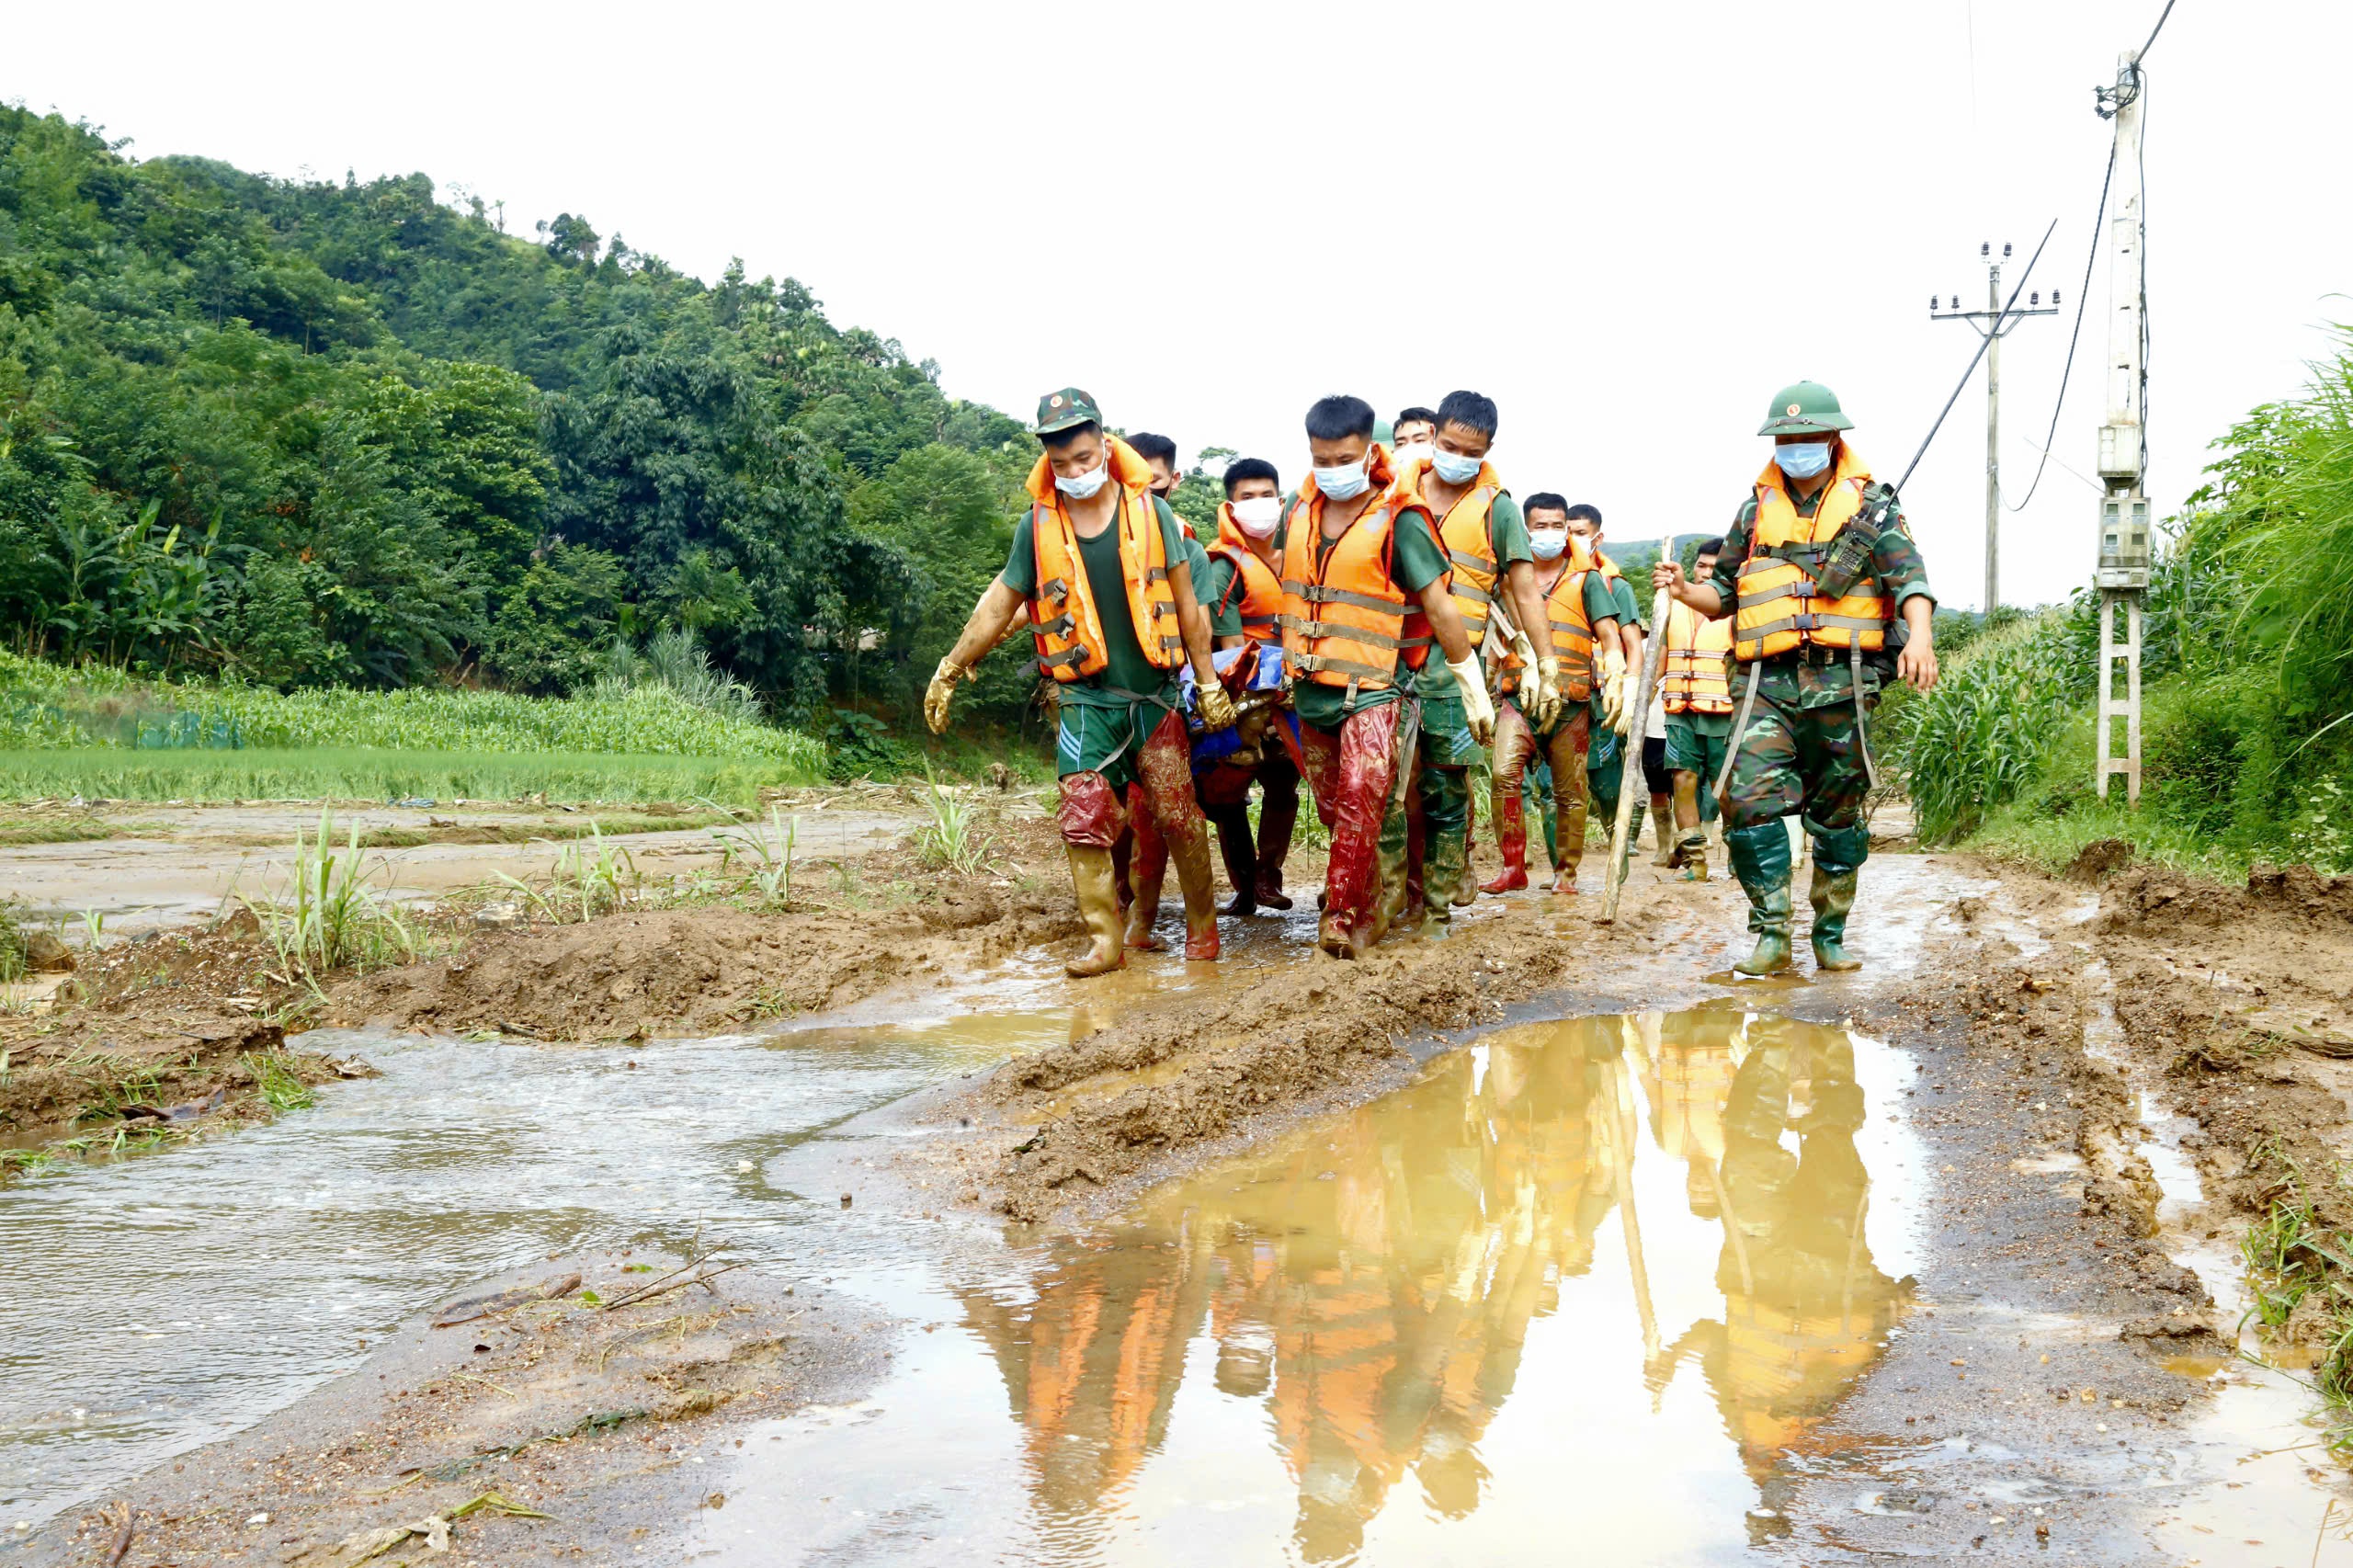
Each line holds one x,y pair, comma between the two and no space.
1107,716
1803,749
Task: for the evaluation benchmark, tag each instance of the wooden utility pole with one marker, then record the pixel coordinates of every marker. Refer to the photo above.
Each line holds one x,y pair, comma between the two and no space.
1994,323
2124,574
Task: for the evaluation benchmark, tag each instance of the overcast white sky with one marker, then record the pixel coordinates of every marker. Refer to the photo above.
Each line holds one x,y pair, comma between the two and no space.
1628,224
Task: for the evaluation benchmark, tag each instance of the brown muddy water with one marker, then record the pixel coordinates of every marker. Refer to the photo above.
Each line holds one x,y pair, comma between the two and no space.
1630,1259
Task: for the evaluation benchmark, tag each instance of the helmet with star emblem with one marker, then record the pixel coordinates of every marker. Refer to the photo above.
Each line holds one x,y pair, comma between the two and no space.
1805,408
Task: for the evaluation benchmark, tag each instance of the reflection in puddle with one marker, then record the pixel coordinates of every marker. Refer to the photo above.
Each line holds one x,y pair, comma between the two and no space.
1644,1256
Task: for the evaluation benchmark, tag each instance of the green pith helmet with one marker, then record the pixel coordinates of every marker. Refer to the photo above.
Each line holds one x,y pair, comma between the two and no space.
1805,408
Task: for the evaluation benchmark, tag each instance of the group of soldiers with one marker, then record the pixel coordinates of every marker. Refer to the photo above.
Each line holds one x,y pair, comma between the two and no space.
1301,645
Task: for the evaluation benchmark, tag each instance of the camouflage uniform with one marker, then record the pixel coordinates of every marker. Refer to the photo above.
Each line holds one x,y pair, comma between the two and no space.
1801,752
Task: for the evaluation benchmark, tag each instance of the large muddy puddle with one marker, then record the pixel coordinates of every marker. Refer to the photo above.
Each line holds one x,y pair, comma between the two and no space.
1636,1259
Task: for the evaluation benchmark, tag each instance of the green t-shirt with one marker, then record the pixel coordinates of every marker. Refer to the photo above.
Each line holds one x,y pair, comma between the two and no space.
1125,666
1419,562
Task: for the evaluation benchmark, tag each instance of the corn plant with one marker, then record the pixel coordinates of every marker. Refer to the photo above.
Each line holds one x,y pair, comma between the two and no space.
1985,734
591,876
766,853
950,841
327,915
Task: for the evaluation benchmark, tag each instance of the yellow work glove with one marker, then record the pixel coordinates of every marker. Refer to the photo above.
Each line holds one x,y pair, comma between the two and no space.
1543,702
1475,706
1611,684
1214,706
942,688
1627,699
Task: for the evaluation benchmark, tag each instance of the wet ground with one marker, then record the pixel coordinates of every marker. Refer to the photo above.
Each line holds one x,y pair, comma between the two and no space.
184,863
1744,1279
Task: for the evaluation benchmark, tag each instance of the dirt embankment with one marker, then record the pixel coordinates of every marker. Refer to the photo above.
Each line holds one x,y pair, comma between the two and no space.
156,1037
2242,998
686,971
553,1414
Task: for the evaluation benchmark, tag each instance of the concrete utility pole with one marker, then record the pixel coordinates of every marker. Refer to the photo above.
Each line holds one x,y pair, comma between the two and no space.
2124,574
1991,321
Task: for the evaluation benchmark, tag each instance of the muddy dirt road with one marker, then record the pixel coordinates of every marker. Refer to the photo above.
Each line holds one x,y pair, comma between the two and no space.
1520,1237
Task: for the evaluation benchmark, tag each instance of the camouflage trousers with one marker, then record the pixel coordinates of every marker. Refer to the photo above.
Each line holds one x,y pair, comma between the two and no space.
1795,761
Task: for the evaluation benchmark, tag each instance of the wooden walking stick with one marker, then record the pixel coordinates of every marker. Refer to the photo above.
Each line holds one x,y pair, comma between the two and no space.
1653,650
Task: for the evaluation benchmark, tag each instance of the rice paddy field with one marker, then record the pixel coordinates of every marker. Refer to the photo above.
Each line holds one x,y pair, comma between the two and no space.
97,734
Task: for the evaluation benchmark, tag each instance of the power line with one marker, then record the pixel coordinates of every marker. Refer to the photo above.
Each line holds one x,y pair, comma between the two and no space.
2155,30
2082,297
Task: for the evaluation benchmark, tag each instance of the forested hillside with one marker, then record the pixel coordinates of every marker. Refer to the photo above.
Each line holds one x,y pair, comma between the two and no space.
304,434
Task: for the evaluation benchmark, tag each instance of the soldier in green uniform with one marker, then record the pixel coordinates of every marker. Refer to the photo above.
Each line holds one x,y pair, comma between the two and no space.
1833,600
1611,724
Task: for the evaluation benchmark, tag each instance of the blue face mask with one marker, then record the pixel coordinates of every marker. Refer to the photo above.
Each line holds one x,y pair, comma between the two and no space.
1345,482
1546,544
1454,468
1803,460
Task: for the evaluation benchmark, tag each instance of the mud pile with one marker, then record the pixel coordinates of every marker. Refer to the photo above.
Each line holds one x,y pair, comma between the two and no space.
159,1034
689,971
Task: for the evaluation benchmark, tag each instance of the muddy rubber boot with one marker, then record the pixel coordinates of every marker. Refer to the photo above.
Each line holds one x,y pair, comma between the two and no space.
1662,825
1241,858
1392,890
1838,860
1760,859
1191,855
1833,897
1691,851
1277,817
1449,876
1092,878
1511,838
1147,873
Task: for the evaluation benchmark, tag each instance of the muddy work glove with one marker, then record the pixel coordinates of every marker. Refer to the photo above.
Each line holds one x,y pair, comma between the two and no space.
1214,706
942,688
1612,685
1475,706
1541,701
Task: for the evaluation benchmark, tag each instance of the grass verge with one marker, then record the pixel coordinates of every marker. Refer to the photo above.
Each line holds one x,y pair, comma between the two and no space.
362,773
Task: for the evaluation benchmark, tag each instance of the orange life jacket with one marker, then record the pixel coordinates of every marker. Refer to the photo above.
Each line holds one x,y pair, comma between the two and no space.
1347,619
1065,621
1571,632
1254,585
1469,536
1694,679
1779,608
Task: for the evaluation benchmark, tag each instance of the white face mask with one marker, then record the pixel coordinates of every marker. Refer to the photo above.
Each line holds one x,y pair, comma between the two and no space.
1454,468
1546,544
1343,483
1085,484
1414,452
1259,514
